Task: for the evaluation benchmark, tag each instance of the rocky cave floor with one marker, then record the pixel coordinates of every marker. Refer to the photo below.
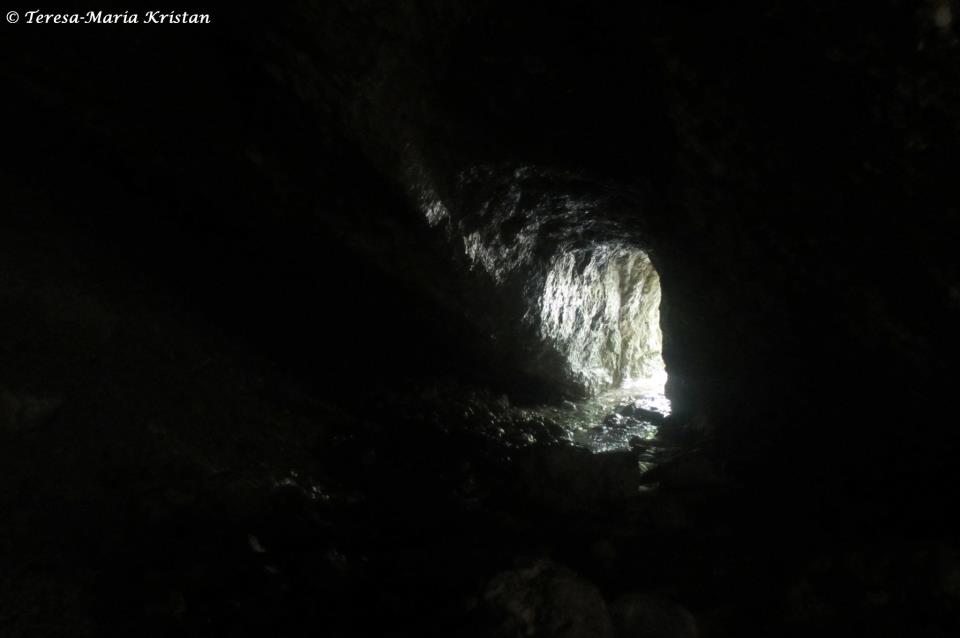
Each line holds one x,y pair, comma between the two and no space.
439,511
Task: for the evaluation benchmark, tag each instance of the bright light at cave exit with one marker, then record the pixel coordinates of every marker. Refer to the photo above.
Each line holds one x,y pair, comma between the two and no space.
648,390
601,308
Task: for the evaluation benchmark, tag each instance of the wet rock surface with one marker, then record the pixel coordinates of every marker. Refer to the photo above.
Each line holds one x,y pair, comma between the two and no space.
539,535
283,529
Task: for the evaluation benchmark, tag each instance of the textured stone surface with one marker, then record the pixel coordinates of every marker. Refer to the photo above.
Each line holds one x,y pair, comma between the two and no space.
650,616
546,600
601,309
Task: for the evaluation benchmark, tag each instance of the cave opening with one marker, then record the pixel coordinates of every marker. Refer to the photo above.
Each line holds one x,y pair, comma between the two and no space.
600,309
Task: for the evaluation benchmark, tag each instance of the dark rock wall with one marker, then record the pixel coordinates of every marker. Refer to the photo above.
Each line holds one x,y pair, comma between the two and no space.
809,268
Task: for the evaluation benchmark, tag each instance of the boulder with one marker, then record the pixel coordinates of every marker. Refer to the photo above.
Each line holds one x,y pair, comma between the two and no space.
545,600
643,615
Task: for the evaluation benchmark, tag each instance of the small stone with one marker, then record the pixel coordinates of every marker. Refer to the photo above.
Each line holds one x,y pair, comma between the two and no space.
21,412
545,600
604,552
255,545
644,615
178,497
877,598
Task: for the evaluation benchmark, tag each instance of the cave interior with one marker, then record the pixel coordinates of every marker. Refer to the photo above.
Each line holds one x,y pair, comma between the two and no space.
478,318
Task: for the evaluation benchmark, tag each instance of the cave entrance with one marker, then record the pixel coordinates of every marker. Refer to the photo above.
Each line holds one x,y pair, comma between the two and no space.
600,309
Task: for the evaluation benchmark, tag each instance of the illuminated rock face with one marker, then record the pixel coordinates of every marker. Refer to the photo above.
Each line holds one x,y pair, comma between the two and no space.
601,309
578,299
